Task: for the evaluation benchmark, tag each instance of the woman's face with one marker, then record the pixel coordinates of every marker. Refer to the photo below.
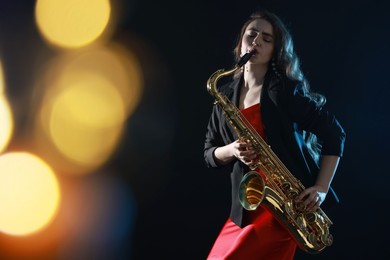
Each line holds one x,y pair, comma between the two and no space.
258,35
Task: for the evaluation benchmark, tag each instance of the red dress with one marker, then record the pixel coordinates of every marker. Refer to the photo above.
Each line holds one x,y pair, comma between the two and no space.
264,237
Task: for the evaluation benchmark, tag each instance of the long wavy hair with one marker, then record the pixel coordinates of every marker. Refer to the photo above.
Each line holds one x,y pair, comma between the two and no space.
286,63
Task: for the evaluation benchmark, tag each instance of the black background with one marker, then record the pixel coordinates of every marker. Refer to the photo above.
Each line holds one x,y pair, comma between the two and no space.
343,47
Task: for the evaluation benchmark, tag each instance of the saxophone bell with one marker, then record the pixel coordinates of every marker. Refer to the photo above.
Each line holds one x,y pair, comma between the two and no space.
251,190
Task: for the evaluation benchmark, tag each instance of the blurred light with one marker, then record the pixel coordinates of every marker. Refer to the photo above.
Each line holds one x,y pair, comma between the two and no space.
72,23
91,102
86,98
29,194
6,123
113,63
85,120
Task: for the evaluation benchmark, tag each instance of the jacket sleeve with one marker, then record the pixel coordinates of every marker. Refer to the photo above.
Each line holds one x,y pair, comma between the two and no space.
309,116
213,138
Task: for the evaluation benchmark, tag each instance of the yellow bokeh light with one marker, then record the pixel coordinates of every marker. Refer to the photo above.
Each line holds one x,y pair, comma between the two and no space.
92,101
86,119
87,97
29,194
72,23
6,123
118,66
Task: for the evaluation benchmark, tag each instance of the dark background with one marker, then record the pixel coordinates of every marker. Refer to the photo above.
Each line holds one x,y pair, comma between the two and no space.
343,47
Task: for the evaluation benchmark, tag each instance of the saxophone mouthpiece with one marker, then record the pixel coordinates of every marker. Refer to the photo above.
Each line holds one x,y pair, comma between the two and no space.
244,59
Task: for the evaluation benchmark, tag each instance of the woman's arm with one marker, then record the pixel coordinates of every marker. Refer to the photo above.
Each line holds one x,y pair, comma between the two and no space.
313,196
328,167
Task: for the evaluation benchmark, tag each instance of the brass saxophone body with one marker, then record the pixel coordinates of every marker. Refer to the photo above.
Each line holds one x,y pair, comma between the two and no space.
309,229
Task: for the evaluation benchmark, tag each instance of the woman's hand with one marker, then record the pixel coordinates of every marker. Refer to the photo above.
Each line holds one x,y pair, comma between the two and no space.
244,152
312,197
241,150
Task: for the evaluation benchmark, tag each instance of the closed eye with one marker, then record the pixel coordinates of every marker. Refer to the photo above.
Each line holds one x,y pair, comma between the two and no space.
267,37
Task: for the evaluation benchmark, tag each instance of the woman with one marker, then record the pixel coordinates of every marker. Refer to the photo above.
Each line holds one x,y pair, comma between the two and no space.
273,94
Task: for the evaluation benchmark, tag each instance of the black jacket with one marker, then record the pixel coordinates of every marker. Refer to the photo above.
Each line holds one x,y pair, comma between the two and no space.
286,113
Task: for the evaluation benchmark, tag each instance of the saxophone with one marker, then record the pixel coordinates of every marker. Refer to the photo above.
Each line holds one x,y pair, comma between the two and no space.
309,229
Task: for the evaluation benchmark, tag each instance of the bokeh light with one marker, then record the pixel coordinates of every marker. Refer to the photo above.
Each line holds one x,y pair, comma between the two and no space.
6,120
72,23
87,97
84,120
29,193
119,66
6,123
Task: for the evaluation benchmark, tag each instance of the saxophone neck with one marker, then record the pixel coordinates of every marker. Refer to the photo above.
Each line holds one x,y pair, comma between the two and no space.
213,79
